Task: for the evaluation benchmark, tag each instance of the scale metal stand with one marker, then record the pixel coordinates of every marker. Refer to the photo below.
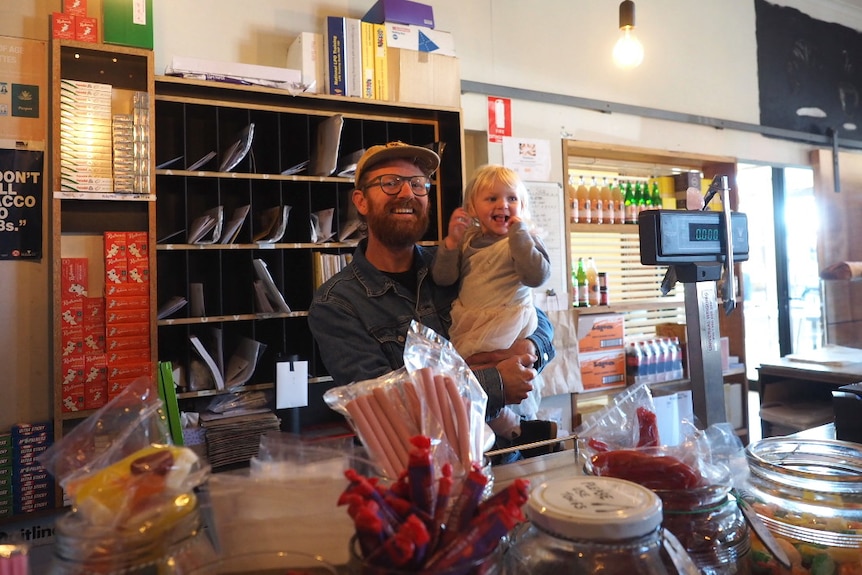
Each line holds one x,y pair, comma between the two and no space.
697,246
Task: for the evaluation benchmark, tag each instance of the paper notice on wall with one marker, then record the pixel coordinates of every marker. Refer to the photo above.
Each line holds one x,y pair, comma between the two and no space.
530,158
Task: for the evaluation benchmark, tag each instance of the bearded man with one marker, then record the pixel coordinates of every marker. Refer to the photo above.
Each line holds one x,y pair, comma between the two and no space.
361,315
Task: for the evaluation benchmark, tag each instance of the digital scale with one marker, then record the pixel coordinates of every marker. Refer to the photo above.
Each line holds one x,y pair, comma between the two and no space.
697,246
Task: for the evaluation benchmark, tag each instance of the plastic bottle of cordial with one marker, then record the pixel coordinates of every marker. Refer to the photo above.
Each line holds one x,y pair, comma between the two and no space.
585,525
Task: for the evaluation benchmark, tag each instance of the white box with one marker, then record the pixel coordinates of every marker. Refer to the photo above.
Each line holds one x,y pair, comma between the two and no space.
420,39
306,55
253,73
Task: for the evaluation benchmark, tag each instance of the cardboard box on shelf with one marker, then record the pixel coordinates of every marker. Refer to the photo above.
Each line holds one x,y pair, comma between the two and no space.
419,38
401,11
603,369
308,55
423,78
600,332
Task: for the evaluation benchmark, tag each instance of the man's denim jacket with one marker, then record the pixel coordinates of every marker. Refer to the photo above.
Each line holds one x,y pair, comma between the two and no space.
360,318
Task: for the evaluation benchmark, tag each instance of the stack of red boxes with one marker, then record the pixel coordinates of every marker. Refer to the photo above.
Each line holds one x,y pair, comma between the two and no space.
74,24
74,284
127,309
32,486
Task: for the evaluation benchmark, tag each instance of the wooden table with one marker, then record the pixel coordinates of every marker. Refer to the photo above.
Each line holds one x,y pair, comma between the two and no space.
803,389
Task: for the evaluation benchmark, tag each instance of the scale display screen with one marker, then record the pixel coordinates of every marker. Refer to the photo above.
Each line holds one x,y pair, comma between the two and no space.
680,236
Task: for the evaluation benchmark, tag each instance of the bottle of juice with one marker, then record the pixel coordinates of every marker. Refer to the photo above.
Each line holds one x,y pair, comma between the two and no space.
608,207
619,202
596,204
585,213
571,192
593,282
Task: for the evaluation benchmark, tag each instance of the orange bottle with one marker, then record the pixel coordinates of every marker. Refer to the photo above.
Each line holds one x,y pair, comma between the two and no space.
608,208
584,203
596,203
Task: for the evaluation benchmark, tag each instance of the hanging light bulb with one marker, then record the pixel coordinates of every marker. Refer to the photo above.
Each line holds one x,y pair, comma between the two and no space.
628,51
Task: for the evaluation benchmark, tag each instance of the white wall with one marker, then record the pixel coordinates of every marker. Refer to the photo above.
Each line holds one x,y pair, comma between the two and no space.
700,60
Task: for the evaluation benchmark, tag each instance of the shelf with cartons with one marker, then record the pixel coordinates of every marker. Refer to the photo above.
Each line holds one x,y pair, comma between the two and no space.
634,289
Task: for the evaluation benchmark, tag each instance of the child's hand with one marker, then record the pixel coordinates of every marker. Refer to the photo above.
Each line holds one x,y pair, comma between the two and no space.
458,224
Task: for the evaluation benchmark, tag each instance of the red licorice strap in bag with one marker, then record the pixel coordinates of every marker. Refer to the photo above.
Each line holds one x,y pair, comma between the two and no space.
652,471
647,427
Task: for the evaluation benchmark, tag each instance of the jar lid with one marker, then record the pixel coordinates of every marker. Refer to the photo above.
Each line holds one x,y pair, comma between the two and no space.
594,508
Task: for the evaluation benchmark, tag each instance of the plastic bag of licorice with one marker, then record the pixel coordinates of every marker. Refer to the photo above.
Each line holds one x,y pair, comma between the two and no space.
435,395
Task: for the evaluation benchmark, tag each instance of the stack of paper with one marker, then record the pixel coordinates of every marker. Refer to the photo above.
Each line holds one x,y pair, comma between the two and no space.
234,437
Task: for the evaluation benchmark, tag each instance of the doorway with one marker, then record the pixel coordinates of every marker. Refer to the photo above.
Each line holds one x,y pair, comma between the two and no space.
781,277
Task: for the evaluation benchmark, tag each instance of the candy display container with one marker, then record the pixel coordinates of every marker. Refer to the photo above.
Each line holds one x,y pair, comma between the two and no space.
584,525
709,524
490,564
177,549
808,493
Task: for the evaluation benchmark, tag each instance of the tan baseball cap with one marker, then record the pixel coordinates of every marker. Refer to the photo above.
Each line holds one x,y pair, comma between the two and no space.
427,160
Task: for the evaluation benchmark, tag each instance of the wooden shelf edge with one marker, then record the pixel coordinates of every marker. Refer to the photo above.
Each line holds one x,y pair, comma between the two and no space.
282,246
229,318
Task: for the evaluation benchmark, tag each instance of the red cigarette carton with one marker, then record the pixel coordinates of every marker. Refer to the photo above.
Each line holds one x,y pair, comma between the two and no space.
134,342
127,316
74,276
75,7
125,303
127,329
86,29
62,26
94,311
127,289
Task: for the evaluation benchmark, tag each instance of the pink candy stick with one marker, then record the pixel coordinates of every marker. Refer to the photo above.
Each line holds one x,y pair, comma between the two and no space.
430,396
462,419
369,436
447,410
386,400
385,419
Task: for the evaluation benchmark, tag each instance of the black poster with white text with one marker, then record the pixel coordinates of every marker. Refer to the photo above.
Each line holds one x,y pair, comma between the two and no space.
21,185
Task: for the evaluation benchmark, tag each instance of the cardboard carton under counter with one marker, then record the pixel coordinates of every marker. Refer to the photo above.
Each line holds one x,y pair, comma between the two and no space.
423,78
401,11
600,332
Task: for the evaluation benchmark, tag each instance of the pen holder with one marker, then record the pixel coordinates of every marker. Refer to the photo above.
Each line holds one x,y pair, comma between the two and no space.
490,564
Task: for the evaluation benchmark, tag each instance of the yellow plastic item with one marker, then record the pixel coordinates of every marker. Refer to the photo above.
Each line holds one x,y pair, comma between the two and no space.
146,488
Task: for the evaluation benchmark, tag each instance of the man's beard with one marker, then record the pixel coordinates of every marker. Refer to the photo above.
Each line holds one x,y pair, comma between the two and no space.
397,232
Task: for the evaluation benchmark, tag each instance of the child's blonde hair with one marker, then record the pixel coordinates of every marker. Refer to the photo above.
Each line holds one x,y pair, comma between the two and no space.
488,176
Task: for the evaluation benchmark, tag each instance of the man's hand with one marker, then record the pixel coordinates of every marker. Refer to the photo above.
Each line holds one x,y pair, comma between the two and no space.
517,373
488,359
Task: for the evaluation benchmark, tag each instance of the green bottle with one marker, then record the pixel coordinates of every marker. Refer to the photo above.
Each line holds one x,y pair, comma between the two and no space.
583,299
656,196
631,204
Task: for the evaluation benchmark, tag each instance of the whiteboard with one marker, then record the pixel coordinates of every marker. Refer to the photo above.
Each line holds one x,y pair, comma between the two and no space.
547,209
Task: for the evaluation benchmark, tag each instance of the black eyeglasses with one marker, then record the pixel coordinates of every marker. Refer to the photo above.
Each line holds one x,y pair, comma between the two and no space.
391,184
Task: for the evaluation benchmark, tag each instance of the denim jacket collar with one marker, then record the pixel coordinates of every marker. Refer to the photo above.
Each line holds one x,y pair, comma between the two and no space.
375,282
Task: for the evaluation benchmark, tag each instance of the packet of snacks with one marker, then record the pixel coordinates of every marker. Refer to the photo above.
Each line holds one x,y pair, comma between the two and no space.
435,395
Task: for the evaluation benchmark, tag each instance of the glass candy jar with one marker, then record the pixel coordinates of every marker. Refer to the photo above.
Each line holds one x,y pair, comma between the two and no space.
176,549
583,525
709,524
808,493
